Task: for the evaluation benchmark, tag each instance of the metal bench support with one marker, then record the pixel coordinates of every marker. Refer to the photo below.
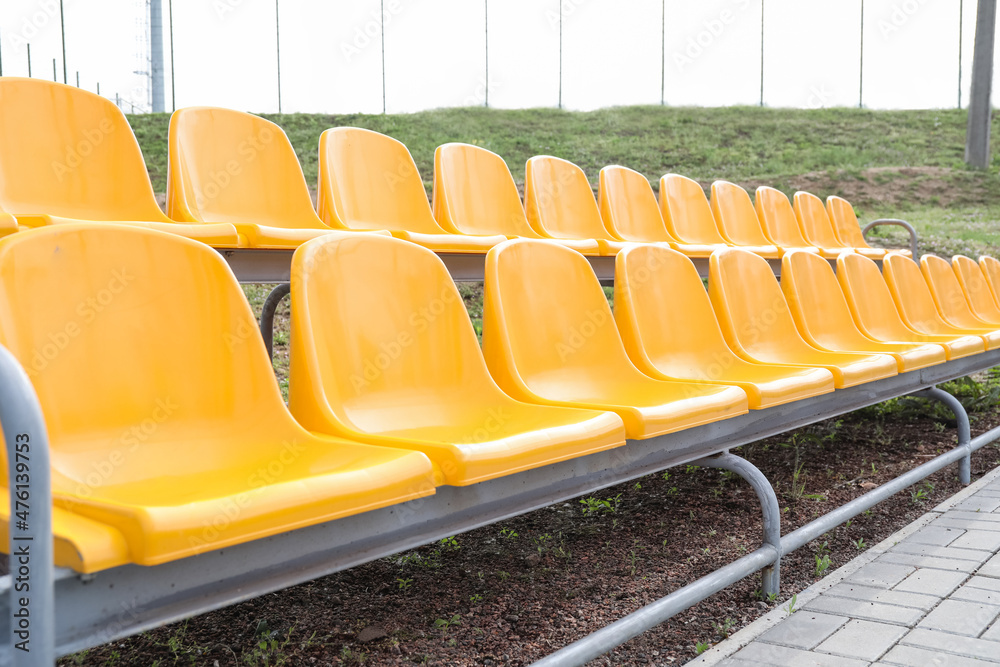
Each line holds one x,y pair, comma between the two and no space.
896,222
267,315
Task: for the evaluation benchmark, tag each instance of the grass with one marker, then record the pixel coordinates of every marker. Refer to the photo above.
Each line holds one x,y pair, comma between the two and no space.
888,163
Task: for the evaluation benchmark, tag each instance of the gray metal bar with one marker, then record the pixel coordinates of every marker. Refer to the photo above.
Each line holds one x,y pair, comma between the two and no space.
977,133
267,315
897,223
31,610
964,428
771,576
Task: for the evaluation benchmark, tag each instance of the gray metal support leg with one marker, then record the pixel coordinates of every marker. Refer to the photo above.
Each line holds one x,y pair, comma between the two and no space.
964,430
771,575
32,592
267,315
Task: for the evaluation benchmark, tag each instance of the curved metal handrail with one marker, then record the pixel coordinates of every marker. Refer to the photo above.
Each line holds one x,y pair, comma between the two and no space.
895,222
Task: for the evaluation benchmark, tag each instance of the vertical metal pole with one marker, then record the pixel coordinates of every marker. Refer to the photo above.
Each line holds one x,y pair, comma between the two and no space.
1,56
32,600
381,18
118,101
173,90
663,52
486,22
78,78
961,5
560,53
964,429
861,61
29,60
62,28
277,42
977,137
98,87
55,71
762,52
156,55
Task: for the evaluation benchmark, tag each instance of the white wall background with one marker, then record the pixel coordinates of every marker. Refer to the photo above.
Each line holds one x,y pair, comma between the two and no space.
336,55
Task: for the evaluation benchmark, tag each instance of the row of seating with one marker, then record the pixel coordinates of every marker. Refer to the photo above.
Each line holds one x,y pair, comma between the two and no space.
169,436
234,181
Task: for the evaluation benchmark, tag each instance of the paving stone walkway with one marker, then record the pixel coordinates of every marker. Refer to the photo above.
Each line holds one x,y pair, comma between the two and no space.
927,596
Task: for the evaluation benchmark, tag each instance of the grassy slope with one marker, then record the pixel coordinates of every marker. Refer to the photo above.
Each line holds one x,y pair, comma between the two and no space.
857,153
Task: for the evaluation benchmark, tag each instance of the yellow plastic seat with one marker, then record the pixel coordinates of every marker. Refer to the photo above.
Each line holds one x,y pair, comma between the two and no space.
916,304
670,331
687,214
8,224
824,319
410,373
976,288
68,155
630,212
166,423
949,297
230,166
818,229
758,326
737,219
369,181
474,193
991,272
560,204
876,314
847,229
561,346
777,219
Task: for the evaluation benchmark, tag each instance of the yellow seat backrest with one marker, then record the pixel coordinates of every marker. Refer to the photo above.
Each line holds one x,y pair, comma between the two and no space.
559,201
138,327
816,300
231,166
815,222
474,193
778,219
69,153
368,369
736,216
845,223
991,271
909,290
628,206
369,181
976,287
686,211
947,291
869,298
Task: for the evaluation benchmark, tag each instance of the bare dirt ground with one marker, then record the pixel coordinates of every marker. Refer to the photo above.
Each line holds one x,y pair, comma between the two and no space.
511,593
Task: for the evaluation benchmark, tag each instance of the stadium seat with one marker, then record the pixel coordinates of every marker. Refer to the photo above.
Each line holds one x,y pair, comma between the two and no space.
410,373
560,204
737,219
670,331
68,155
687,214
369,181
976,288
474,193
876,315
164,417
824,319
949,297
847,229
777,219
991,271
818,229
230,166
758,326
628,206
8,223
560,346
916,305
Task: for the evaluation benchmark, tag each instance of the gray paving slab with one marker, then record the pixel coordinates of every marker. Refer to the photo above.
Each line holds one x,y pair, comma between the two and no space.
804,629
873,594
881,574
974,594
911,656
991,568
933,562
783,656
931,582
970,554
979,503
946,642
961,617
935,535
864,640
872,611
977,539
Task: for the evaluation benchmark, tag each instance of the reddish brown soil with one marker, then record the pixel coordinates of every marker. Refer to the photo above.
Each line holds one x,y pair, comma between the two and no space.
509,594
